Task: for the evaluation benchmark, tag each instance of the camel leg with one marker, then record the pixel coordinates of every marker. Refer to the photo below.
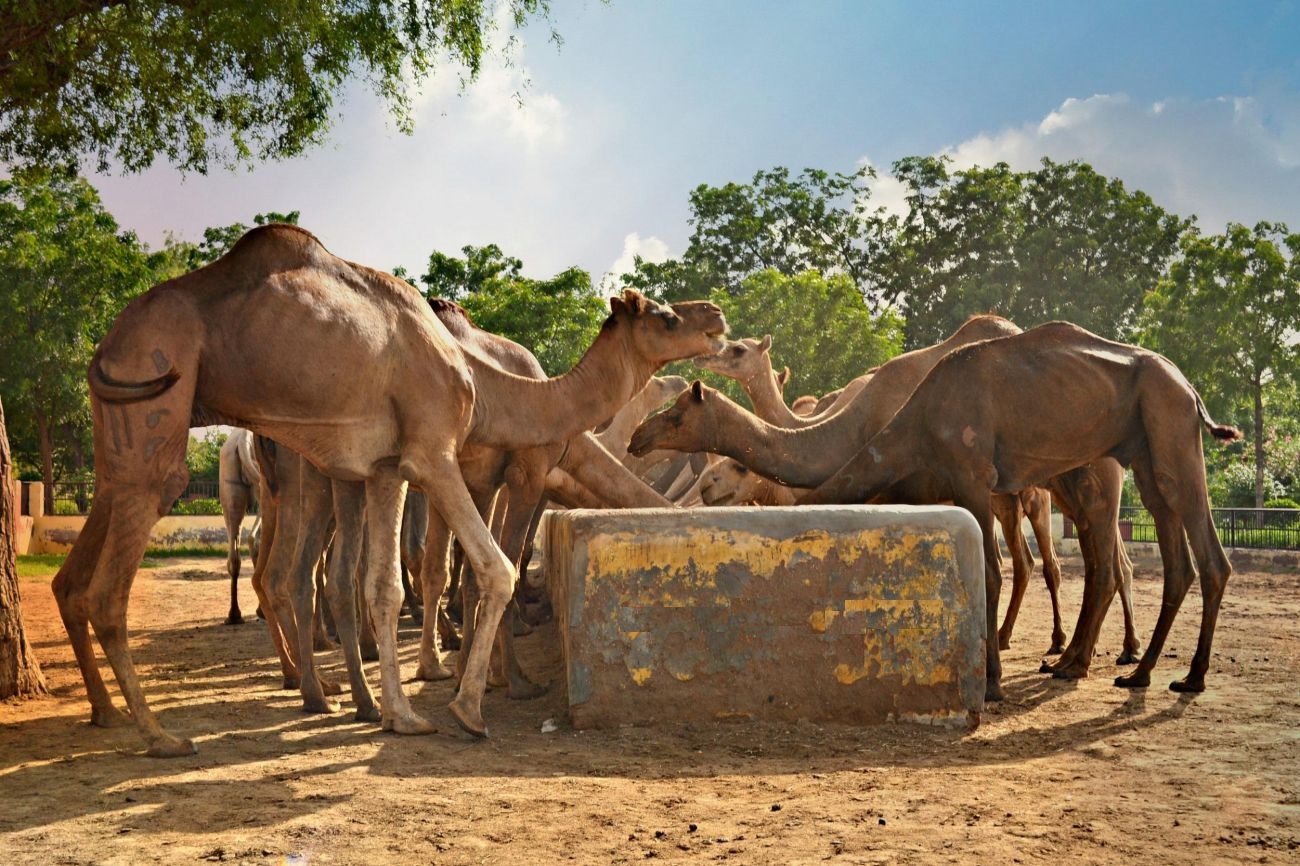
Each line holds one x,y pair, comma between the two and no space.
526,482
234,505
261,564
365,624
385,495
323,623
1124,569
455,589
344,558
434,576
1039,513
1176,558
977,502
469,592
313,513
1097,539
1180,482
449,496
132,513
69,587
1006,508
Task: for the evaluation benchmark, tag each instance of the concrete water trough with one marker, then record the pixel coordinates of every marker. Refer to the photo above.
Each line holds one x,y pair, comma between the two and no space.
857,614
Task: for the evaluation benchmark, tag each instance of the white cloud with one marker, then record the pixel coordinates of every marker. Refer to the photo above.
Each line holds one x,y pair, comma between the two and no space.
1232,158
651,249
500,101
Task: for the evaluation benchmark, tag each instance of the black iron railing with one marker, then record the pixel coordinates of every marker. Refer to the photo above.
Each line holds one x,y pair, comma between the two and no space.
200,497
1262,528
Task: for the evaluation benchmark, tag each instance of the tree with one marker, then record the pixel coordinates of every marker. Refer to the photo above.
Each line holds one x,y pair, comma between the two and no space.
20,674
556,319
820,328
1060,242
817,221
65,272
203,456
206,81
1226,315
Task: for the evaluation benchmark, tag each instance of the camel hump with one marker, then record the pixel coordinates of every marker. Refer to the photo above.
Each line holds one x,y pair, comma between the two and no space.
986,326
277,241
441,306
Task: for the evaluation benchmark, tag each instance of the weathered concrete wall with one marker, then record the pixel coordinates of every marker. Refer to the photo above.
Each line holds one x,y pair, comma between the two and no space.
57,533
856,614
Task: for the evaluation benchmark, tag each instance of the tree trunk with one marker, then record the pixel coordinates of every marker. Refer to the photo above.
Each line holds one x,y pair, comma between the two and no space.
46,436
20,675
1259,442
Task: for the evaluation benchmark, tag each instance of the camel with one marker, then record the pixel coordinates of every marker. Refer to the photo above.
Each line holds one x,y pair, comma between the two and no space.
521,476
730,482
210,347
237,487
748,362
1108,399
658,391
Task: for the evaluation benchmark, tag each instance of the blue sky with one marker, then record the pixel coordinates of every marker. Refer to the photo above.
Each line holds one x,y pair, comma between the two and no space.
1197,103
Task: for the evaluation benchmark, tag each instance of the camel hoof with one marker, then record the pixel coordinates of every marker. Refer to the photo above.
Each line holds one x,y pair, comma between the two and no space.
370,654
1004,643
322,644
368,714
260,615
234,618
450,642
993,692
1070,672
433,673
525,691
321,705
1188,685
1128,657
290,684
167,746
1135,680
469,718
1055,649
408,724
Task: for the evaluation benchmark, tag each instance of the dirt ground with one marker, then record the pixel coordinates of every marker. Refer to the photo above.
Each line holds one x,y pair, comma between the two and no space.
1059,773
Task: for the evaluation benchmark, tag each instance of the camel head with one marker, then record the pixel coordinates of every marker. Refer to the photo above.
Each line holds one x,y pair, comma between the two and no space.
660,333
687,425
742,360
730,482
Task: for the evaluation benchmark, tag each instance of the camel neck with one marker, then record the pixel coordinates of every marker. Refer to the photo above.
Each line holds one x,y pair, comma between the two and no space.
767,400
803,457
514,412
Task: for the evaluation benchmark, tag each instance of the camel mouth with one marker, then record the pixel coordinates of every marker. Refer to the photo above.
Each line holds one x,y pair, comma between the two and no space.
724,499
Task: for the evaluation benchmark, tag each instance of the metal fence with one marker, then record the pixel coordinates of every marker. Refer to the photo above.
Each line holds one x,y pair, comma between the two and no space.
76,497
1265,528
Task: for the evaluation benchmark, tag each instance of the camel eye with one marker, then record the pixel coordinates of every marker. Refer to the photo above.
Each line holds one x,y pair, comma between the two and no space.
738,350
742,470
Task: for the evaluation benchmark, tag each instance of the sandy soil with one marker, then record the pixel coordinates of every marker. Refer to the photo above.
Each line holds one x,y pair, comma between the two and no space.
1060,773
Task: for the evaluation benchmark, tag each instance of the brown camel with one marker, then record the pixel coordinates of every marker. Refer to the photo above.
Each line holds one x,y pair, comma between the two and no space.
210,347
874,397
521,476
748,362
1107,400
658,391
237,487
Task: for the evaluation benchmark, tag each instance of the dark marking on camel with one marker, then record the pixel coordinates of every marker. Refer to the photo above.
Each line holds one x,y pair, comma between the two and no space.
155,417
160,362
152,445
125,421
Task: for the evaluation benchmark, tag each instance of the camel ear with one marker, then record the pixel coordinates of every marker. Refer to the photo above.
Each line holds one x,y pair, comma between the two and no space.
765,343
783,378
634,300
697,390
616,305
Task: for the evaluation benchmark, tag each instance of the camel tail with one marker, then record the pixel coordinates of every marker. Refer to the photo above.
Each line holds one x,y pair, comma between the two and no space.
1222,432
112,391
